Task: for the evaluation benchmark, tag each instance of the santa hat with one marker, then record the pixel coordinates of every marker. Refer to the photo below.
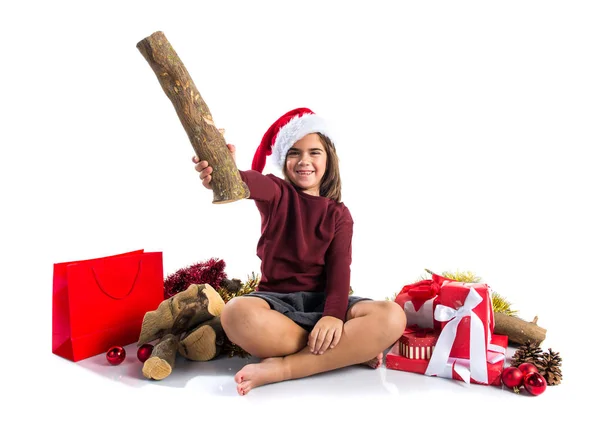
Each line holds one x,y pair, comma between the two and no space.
281,136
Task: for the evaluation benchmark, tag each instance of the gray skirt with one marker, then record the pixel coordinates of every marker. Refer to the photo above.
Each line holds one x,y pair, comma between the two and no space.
305,308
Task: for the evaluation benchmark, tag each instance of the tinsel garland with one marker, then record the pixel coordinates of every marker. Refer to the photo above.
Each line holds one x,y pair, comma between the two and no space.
500,304
245,288
210,272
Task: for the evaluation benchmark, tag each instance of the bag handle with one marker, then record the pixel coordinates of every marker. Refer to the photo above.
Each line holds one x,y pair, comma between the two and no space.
108,293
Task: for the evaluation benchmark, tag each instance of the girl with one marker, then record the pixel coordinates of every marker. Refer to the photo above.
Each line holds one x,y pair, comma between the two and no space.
301,320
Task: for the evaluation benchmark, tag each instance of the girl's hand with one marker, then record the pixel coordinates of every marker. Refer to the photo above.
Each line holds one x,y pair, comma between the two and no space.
325,334
205,170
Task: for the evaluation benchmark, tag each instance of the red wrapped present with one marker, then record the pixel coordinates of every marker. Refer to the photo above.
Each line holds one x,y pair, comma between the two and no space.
417,300
417,343
464,313
455,368
467,309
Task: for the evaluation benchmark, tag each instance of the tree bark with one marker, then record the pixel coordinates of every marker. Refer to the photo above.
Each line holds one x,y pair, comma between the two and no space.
206,139
518,331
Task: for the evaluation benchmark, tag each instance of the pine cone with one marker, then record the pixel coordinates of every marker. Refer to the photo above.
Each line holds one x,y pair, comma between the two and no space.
231,285
550,367
530,352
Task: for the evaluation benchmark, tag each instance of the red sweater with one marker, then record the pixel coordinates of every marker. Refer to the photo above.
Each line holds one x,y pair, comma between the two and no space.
305,242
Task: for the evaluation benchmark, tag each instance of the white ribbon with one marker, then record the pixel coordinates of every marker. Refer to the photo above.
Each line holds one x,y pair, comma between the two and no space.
460,366
441,353
495,353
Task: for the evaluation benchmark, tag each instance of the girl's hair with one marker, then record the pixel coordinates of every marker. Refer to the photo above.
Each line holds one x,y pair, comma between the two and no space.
331,183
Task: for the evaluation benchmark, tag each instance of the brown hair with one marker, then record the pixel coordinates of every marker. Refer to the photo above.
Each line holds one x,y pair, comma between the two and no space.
331,183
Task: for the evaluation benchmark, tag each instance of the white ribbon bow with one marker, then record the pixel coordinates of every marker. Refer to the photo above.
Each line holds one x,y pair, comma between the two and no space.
441,353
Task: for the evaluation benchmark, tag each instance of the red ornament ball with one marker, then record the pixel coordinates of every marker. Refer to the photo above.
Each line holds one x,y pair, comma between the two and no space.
144,352
535,383
527,368
115,355
512,377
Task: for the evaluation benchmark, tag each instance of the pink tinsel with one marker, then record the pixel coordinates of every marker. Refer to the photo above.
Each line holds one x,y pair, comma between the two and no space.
210,272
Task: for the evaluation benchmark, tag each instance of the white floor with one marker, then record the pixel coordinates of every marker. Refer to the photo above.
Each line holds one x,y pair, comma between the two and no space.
93,395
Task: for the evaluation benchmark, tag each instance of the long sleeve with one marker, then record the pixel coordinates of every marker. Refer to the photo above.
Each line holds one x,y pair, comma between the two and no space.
262,188
337,269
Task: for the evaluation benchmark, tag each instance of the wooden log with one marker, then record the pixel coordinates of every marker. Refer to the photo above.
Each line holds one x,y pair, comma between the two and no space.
162,361
206,139
204,342
183,311
518,330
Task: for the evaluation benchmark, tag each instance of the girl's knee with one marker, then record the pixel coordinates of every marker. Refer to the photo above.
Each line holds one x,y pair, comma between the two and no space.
239,312
390,317
392,320
396,317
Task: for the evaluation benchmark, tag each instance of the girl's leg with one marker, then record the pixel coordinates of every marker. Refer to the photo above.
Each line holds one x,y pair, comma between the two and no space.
371,327
250,323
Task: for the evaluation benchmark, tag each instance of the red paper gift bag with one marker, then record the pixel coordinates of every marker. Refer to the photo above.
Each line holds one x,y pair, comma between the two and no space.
101,302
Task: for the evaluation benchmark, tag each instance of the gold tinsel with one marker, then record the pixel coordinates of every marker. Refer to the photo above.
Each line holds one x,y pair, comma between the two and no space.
461,276
248,287
500,304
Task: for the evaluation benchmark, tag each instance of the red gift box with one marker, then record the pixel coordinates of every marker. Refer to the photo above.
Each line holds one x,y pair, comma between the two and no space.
457,369
417,343
417,300
455,301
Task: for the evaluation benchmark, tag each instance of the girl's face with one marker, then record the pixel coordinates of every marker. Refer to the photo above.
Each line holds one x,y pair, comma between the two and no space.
306,163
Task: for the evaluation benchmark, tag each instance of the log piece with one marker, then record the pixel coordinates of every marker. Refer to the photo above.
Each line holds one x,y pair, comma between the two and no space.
181,312
206,139
518,330
162,361
205,342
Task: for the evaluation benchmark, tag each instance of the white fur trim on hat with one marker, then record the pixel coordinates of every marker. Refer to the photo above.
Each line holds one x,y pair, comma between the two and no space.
293,131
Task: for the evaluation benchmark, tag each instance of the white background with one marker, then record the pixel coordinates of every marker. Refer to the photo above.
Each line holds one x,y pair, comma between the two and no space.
467,134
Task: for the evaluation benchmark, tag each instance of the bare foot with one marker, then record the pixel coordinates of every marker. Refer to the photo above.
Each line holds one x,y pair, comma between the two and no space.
375,362
268,371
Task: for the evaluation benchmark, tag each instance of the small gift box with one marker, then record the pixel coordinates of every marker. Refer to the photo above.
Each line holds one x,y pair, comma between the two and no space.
417,300
455,368
463,311
466,308
417,343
